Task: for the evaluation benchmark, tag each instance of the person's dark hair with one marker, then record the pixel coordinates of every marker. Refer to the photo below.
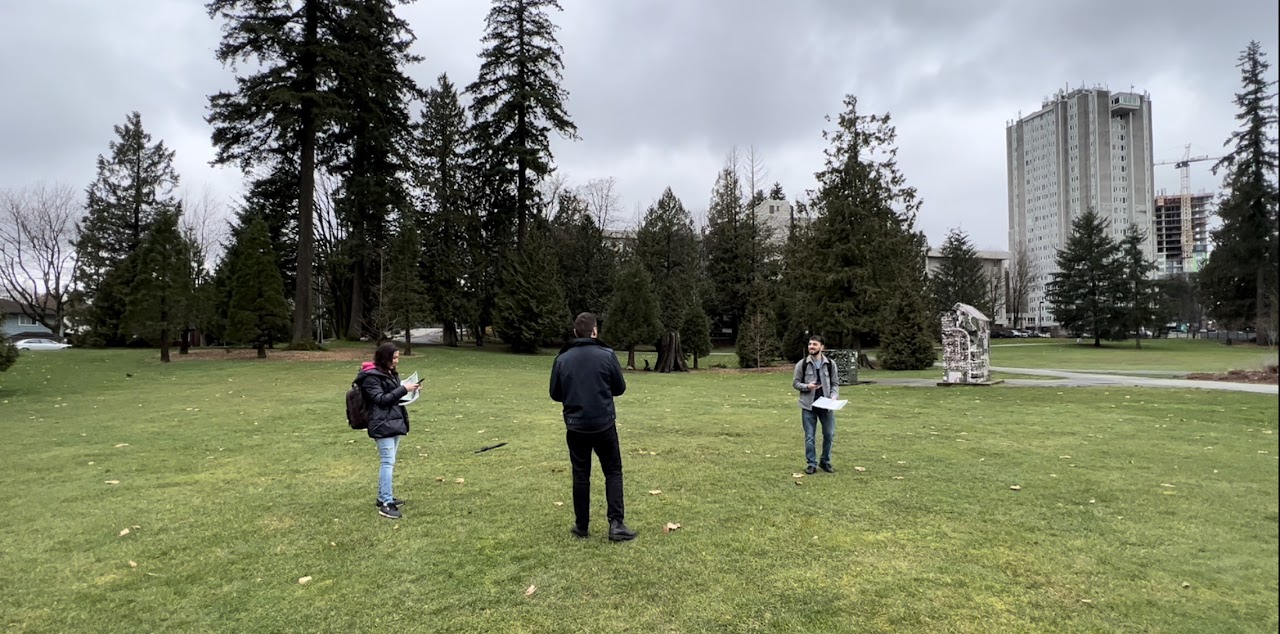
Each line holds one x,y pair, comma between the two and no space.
383,355
583,325
817,338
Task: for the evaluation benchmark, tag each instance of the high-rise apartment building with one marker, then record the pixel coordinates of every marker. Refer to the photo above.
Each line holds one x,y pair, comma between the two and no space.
1182,235
1084,148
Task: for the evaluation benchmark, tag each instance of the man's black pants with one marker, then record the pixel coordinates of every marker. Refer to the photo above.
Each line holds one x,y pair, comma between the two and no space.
605,445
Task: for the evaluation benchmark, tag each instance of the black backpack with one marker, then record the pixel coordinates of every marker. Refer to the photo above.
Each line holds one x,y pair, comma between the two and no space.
357,414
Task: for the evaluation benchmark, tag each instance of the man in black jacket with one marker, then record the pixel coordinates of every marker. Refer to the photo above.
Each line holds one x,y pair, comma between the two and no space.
585,377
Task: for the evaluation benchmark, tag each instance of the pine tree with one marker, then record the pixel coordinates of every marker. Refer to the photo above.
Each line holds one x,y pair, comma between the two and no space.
530,308
729,244
1239,280
404,297
959,276
450,246
517,100
1085,292
134,187
282,104
372,136
1139,299
256,310
160,296
906,343
864,231
667,246
633,310
326,77
695,333
587,264
8,354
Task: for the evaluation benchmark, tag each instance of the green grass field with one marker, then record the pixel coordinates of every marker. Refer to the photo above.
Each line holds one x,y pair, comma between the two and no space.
1139,510
1177,356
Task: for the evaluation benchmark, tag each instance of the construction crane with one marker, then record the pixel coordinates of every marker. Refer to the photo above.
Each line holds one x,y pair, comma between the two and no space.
1188,231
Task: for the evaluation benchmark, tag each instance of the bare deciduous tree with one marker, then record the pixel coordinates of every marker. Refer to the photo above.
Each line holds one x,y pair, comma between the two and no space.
204,223
37,261
1021,276
602,201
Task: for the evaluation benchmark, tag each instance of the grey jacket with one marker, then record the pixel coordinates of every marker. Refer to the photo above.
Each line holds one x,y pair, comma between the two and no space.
807,373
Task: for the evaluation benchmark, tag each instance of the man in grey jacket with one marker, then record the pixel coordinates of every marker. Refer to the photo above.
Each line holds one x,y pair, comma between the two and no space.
815,377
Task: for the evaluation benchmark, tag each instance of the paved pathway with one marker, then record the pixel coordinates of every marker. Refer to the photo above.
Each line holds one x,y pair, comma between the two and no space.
1075,378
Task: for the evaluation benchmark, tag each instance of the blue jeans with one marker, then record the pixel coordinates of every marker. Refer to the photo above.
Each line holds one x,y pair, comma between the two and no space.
810,420
387,452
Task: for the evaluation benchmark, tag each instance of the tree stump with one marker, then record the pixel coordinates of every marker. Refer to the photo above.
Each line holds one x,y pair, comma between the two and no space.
670,358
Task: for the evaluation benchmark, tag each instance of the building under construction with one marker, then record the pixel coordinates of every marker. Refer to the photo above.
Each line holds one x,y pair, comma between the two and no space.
1182,232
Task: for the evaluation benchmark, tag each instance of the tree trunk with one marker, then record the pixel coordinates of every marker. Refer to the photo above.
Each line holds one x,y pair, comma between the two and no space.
1261,321
670,358
357,303
450,334
408,345
164,345
695,362
631,358
184,347
306,179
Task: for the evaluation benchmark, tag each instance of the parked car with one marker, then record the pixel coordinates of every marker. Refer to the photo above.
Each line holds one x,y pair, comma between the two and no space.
40,344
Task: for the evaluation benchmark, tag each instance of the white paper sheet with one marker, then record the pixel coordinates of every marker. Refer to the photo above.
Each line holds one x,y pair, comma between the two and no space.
826,403
411,396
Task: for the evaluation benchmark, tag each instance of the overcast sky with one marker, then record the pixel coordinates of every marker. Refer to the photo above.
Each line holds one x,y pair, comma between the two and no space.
661,90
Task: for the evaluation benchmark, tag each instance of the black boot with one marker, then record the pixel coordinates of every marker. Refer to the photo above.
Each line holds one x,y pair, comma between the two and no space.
579,531
618,532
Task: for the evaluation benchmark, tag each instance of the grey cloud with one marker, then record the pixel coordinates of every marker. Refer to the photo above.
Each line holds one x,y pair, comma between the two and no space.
661,90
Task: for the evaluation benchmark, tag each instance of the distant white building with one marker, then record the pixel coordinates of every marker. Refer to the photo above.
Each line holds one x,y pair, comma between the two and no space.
776,215
993,263
1086,148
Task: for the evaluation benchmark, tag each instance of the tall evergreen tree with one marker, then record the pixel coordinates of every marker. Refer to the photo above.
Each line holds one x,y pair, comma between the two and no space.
373,135
793,304
282,104
451,245
757,343
864,232
160,296
1085,293
1138,294
404,295
133,188
667,246
587,264
633,310
256,308
530,308
517,100
1239,279
959,276
729,246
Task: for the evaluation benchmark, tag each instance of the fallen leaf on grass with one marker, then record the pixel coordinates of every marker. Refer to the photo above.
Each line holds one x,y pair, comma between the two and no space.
133,564
859,469
123,444
797,475
304,580
655,492
559,503
1015,488
1064,457
529,592
439,478
897,477
1186,585
459,481
124,532
670,526
1166,485
798,483
112,481
653,453
1093,501
1086,600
